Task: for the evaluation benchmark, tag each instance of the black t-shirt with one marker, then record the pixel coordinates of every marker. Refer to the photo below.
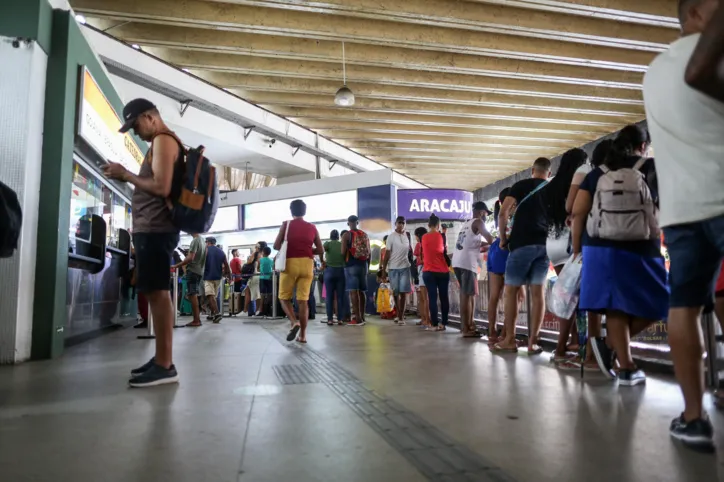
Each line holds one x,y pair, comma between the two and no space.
530,226
650,247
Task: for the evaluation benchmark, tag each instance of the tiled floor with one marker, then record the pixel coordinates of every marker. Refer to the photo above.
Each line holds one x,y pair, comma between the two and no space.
373,403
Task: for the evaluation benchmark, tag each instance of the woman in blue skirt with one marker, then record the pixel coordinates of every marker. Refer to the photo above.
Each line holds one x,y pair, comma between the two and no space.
625,280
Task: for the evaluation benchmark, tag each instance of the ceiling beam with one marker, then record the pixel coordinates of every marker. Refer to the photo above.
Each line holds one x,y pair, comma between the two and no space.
487,18
224,16
283,55
251,83
330,114
422,160
408,141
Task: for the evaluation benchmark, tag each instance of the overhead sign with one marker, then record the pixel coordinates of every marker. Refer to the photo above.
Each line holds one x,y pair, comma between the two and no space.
448,204
99,124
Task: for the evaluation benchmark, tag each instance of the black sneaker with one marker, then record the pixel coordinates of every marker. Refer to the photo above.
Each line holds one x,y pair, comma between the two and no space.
217,318
697,433
143,368
604,357
210,318
155,375
630,378
143,324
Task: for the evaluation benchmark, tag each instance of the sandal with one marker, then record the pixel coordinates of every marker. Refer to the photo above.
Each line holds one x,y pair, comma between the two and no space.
299,340
535,350
330,323
440,328
496,348
193,325
293,332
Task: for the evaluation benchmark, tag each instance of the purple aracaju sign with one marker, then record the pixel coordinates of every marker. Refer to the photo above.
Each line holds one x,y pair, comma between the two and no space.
447,204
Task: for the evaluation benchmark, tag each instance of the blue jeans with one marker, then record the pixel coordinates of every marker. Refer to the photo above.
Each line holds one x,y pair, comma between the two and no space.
527,265
696,251
437,283
356,276
335,286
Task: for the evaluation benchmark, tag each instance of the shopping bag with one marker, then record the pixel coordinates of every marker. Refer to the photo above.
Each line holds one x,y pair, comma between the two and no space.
384,298
562,299
280,262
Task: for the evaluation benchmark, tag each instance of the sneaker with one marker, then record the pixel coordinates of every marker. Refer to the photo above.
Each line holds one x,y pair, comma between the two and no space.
143,324
698,432
143,368
401,323
630,378
356,323
210,318
604,357
217,318
155,375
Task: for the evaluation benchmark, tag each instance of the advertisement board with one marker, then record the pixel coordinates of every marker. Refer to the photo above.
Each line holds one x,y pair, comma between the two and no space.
447,204
98,125
322,207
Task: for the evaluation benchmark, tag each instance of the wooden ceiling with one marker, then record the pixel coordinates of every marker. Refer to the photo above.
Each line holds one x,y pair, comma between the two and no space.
452,93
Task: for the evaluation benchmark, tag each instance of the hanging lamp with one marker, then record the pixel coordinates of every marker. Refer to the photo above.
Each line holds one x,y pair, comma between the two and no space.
344,96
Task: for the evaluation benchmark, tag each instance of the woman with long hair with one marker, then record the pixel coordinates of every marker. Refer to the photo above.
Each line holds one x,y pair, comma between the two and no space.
436,273
423,304
623,279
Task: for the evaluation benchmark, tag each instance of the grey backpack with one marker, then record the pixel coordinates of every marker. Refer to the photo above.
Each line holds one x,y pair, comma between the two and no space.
623,209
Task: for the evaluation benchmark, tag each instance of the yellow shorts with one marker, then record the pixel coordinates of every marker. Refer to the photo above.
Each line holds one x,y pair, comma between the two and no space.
298,274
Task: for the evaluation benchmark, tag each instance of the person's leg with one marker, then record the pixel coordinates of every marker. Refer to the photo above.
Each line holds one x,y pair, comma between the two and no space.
362,305
472,328
330,284
247,297
464,323
194,301
304,295
685,339
162,313
213,306
516,275
423,304
431,285
496,288
287,281
618,333
510,315
443,284
537,303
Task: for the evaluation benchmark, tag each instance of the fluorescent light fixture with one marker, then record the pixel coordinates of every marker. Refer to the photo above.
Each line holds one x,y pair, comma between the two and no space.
185,69
136,46
80,18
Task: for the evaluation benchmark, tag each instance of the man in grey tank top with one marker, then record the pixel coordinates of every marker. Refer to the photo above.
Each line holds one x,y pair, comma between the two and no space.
154,235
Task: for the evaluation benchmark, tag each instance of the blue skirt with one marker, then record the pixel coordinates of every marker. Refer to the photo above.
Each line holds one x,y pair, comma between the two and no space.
614,279
497,258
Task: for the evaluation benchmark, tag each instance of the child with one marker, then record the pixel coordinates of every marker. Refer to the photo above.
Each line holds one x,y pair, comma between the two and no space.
266,267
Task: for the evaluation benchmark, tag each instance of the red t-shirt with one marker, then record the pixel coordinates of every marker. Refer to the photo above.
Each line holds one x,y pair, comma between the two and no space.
235,266
433,249
301,239
417,253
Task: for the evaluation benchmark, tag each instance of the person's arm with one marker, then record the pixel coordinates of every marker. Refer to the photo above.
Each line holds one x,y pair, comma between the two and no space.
581,207
704,72
280,237
188,259
165,152
345,244
318,248
573,190
388,254
478,227
226,268
503,217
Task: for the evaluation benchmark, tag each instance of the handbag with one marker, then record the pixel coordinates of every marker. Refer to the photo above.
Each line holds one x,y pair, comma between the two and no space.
562,299
280,263
559,249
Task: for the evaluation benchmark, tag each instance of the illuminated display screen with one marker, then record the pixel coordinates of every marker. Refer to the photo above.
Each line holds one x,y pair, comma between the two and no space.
323,207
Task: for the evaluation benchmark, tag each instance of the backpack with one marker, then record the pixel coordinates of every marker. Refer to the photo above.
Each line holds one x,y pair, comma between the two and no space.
194,192
11,220
623,208
359,245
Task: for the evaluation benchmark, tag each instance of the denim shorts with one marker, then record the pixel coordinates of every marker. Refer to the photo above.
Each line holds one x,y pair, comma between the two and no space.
527,265
400,280
696,251
355,277
193,284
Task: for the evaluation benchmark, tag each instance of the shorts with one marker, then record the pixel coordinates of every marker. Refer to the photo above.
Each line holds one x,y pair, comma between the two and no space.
265,286
154,253
400,281
211,288
696,251
298,274
468,281
419,283
355,277
193,284
527,265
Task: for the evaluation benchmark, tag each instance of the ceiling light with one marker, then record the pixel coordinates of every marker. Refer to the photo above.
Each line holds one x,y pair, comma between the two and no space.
136,46
185,70
344,96
80,19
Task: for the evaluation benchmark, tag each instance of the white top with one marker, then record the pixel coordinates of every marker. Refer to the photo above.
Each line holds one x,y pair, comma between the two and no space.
467,248
687,130
398,246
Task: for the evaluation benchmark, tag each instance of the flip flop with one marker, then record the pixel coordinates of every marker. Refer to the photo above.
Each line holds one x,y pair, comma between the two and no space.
472,335
496,348
193,325
535,351
301,341
293,332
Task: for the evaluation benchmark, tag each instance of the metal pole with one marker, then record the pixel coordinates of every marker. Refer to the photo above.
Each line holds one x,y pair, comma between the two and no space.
709,329
274,294
175,298
150,334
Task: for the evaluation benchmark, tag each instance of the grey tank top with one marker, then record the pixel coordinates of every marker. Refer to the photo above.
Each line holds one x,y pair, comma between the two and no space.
151,213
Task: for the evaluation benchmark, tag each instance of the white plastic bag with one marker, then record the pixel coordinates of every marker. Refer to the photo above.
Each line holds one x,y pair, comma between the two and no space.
280,263
562,299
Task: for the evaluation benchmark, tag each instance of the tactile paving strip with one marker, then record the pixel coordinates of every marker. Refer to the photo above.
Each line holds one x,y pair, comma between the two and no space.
295,374
432,452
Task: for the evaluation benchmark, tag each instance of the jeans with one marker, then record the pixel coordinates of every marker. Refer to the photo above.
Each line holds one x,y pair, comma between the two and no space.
335,286
437,283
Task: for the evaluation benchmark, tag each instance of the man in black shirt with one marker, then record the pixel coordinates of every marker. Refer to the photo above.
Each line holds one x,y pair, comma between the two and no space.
528,262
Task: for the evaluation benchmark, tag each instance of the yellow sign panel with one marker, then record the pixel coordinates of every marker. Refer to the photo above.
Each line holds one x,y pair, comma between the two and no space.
99,124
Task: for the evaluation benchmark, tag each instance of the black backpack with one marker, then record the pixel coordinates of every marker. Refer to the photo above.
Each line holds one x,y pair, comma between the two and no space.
11,220
195,192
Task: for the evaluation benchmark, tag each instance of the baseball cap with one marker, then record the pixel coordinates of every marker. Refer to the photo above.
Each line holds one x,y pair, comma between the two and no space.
132,111
481,206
